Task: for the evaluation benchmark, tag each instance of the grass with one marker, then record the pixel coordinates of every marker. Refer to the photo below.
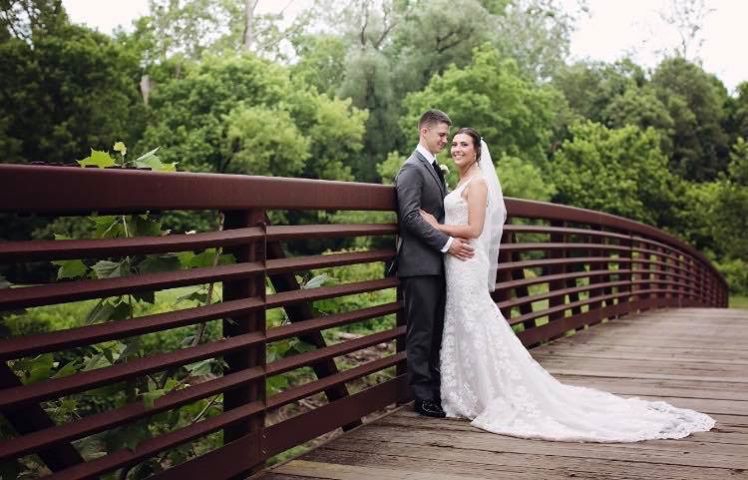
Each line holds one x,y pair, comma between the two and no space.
738,301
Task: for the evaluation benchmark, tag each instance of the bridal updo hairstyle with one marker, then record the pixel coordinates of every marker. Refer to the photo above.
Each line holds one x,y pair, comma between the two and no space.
476,140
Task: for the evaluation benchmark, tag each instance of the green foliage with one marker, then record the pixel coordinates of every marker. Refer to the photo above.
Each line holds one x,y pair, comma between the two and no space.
696,105
731,204
522,179
321,62
65,92
241,114
736,273
621,171
514,116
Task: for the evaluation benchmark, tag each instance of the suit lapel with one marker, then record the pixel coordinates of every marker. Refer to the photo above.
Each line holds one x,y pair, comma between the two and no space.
431,171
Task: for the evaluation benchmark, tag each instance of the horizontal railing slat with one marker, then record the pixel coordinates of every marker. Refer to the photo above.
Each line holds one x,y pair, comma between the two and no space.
58,387
293,264
312,294
545,229
314,356
281,233
34,250
76,337
329,321
307,389
152,446
17,298
99,422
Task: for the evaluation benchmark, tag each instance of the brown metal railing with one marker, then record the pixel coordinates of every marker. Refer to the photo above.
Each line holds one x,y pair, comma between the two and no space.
561,269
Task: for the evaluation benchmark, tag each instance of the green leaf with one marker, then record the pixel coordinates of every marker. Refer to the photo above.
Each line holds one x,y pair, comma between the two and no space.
204,259
150,397
40,368
121,312
108,269
70,269
97,361
68,369
196,296
160,263
107,226
101,312
145,226
317,281
147,297
201,368
151,160
276,384
98,159
121,148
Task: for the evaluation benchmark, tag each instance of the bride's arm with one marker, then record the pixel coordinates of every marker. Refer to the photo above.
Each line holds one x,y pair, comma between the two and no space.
476,195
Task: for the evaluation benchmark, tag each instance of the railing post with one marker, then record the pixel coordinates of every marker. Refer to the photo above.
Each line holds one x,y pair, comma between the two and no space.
629,265
404,395
557,285
502,294
596,292
253,322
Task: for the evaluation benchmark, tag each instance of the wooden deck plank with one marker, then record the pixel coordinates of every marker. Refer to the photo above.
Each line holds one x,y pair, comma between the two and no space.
692,358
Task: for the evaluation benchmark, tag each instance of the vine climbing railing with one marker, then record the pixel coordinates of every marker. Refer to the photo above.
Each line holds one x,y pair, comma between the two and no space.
561,269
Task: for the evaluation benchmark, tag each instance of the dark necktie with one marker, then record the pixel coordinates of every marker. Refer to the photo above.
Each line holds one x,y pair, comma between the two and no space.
438,171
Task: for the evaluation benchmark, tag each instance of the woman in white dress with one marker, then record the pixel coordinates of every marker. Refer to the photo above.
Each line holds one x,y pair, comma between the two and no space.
487,374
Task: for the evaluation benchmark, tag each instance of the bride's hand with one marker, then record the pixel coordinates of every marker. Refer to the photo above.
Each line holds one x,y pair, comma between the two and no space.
430,219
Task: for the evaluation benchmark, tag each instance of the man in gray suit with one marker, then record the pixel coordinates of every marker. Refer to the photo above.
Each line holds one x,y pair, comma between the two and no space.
420,267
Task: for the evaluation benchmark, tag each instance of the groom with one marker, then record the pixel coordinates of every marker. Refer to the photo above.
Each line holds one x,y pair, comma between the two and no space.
420,185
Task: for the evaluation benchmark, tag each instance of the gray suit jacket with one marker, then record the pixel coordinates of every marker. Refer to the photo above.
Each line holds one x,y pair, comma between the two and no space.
419,245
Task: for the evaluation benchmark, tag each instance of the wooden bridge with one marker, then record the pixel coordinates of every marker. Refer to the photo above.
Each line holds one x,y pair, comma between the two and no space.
692,358
562,270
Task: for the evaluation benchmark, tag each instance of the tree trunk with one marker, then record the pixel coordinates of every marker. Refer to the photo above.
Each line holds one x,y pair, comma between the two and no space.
249,12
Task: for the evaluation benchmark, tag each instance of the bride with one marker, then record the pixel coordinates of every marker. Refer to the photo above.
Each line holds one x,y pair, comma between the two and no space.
487,374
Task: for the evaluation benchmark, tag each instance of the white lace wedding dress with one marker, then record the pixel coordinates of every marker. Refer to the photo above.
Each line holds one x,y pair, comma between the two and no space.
490,378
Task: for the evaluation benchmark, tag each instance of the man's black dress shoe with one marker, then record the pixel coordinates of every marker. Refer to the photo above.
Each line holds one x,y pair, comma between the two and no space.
429,409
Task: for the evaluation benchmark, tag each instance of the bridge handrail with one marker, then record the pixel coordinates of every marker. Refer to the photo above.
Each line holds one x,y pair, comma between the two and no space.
562,269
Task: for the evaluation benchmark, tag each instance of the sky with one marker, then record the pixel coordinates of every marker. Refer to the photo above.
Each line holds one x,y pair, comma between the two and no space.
612,30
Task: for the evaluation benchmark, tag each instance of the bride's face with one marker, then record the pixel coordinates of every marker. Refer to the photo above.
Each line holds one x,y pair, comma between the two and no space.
463,150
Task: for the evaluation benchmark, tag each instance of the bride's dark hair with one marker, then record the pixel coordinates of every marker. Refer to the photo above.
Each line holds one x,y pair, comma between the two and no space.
476,139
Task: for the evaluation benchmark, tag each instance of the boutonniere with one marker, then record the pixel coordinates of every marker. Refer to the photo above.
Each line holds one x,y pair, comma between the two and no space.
445,171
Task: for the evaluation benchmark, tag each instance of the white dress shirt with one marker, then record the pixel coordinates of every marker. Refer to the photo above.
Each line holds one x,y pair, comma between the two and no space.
431,158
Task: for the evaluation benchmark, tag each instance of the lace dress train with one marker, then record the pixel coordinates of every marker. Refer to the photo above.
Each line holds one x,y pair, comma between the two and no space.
490,378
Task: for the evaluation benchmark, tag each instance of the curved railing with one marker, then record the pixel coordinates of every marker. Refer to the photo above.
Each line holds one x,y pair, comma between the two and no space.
561,269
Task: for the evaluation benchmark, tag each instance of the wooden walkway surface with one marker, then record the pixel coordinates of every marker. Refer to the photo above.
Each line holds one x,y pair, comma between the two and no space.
693,358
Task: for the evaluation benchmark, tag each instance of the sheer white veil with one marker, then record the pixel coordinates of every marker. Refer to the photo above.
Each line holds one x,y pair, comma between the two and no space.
495,213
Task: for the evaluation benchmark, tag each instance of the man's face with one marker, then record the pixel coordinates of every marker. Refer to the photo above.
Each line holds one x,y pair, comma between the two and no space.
434,138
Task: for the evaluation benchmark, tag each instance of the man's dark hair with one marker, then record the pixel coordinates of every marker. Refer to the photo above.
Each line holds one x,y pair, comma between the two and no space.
433,117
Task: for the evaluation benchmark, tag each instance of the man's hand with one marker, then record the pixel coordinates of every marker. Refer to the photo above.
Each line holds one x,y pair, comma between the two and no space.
461,249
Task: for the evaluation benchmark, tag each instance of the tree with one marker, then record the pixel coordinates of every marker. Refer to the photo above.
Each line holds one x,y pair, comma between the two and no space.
590,87
432,37
620,171
321,61
737,125
696,104
537,34
687,17
66,92
25,19
514,115
522,179
239,113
